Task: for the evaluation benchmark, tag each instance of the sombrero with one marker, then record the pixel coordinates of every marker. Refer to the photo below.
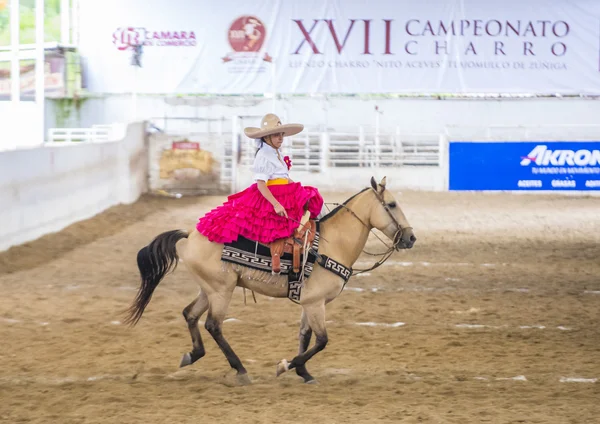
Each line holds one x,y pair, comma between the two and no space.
271,124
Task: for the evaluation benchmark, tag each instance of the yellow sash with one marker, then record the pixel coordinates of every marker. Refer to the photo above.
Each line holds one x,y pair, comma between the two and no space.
277,181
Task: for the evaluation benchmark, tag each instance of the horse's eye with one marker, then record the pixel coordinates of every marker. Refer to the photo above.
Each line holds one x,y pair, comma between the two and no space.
392,205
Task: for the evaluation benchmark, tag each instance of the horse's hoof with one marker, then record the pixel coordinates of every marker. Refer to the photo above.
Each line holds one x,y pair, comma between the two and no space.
313,381
243,379
186,360
282,367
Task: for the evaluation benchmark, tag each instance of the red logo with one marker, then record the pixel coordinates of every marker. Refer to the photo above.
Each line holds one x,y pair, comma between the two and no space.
125,38
246,34
185,145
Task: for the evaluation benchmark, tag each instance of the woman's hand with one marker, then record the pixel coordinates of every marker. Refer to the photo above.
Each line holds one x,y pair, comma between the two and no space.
262,187
280,210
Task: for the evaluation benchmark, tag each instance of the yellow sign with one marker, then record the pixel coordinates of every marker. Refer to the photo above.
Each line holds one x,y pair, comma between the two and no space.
185,161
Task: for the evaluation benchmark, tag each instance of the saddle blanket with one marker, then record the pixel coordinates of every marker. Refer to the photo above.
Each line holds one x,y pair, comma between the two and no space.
251,254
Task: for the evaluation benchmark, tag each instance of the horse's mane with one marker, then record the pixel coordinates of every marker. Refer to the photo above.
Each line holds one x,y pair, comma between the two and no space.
337,209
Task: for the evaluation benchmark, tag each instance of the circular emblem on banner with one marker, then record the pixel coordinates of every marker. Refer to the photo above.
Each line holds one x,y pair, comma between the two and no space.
247,34
125,38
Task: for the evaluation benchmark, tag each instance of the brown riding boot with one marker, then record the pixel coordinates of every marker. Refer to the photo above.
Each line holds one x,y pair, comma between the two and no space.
305,225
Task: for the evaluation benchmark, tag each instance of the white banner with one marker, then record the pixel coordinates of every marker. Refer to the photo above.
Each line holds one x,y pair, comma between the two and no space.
342,46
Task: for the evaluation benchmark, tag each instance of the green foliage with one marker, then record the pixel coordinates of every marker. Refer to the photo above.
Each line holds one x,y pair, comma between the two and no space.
27,22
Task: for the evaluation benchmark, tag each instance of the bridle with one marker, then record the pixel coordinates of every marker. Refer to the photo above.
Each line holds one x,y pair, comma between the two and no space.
397,235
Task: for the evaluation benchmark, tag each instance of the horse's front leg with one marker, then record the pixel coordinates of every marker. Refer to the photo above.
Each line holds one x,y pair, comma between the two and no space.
315,316
218,304
304,337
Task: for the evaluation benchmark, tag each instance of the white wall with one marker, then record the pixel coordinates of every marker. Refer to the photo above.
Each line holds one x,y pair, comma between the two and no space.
427,178
18,126
44,189
342,114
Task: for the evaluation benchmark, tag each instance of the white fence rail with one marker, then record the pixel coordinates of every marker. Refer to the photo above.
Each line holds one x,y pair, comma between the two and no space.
310,151
93,134
315,151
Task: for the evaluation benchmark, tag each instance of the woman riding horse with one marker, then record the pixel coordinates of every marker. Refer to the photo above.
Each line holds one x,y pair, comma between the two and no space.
268,210
271,208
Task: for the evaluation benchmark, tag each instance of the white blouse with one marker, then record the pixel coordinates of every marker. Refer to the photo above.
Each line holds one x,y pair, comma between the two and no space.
267,166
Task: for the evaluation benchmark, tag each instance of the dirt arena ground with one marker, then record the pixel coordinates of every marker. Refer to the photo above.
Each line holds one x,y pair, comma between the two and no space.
493,317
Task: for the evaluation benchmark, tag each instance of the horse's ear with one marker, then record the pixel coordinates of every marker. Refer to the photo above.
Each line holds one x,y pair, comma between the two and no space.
382,183
373,183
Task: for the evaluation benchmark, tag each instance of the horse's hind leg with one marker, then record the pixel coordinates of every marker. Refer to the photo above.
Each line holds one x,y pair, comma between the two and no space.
304,339
315,316
219,302
192,314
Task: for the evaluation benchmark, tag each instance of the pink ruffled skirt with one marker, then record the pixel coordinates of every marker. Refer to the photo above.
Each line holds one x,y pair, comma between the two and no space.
250,215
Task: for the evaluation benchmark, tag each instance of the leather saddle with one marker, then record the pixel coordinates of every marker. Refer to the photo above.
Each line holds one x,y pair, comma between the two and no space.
293,245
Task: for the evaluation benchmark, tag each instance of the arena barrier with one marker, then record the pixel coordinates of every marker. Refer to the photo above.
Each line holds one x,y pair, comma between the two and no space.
46,188
81,173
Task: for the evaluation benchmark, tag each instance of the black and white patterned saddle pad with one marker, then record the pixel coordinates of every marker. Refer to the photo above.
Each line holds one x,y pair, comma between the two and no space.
257,256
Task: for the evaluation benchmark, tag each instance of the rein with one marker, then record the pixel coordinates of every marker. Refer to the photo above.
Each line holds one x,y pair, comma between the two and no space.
397,236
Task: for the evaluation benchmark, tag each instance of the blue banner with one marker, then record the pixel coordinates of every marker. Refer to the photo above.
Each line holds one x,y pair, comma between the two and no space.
543,165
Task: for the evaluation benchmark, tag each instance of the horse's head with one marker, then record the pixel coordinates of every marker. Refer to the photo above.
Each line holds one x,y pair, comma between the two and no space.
387,216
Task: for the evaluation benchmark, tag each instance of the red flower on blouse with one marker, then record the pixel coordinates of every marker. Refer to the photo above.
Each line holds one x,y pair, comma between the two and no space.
288,162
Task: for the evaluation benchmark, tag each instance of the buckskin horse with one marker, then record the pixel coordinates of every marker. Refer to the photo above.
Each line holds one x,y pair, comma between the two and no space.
343,234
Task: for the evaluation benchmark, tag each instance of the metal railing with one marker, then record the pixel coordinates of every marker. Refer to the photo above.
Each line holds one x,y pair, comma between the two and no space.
316,151
81,135
310,151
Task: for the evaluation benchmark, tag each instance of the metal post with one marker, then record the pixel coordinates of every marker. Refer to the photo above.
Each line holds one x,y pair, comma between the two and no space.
75,22
399,148
307,150
65,22
15,68
325,106
361,145
443,161
40,66
324,152
377,150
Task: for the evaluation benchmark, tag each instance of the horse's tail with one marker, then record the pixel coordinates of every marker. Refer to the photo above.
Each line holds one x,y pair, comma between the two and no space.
154,262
